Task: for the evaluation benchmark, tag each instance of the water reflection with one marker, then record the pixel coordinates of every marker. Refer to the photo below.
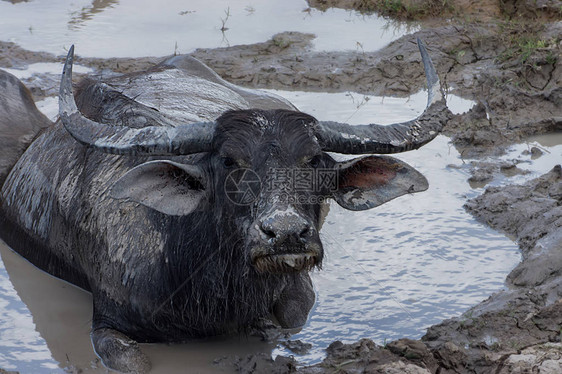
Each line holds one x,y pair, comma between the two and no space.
24,347
135,28
87,13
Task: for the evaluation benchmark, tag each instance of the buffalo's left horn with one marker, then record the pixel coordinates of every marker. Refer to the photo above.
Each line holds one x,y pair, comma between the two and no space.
398,137
151,140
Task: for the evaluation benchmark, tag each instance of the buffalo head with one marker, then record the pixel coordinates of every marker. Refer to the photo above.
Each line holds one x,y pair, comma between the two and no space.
266,173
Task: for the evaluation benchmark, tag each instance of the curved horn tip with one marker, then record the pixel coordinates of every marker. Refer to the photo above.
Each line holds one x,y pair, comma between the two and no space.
395,138
65,90
430,72
422,48
66,81
69,60
435,91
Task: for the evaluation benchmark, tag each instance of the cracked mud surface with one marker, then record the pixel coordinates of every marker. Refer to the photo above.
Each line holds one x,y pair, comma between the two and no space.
514,331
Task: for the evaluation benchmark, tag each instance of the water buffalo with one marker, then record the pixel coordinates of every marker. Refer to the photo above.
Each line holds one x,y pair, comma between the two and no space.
191,207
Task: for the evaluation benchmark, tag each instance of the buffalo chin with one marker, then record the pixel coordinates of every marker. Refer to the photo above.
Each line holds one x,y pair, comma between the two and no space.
286,263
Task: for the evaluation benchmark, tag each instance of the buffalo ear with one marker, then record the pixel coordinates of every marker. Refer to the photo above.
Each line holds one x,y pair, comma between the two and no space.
367,182
166,186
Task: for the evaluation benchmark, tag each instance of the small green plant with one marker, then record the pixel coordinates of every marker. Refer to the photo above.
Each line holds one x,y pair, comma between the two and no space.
522,40
515,345
524,47
395,6
527,48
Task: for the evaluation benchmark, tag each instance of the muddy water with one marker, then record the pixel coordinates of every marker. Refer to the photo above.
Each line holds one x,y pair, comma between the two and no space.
389,272
538,155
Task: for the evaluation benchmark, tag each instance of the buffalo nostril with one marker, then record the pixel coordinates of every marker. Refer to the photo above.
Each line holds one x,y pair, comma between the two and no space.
267,229
287,230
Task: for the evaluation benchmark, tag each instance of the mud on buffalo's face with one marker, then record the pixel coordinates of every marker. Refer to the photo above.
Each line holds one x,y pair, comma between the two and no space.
276,182
269,163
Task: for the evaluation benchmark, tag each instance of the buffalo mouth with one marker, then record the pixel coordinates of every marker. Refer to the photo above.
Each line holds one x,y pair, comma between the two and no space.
286,262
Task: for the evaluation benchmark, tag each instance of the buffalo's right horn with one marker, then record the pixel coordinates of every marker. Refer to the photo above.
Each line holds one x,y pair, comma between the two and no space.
151,140
398,137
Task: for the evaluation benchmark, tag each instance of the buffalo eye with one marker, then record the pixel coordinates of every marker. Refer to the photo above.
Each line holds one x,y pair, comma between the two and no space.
315,161
228,162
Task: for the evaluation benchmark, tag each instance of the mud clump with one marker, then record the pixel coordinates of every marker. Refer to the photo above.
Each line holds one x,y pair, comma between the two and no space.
287,61
533,214
47,85
13,56
364,356
483,172
2,371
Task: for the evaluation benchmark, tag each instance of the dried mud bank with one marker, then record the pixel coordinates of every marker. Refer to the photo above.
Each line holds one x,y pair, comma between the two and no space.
482,10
